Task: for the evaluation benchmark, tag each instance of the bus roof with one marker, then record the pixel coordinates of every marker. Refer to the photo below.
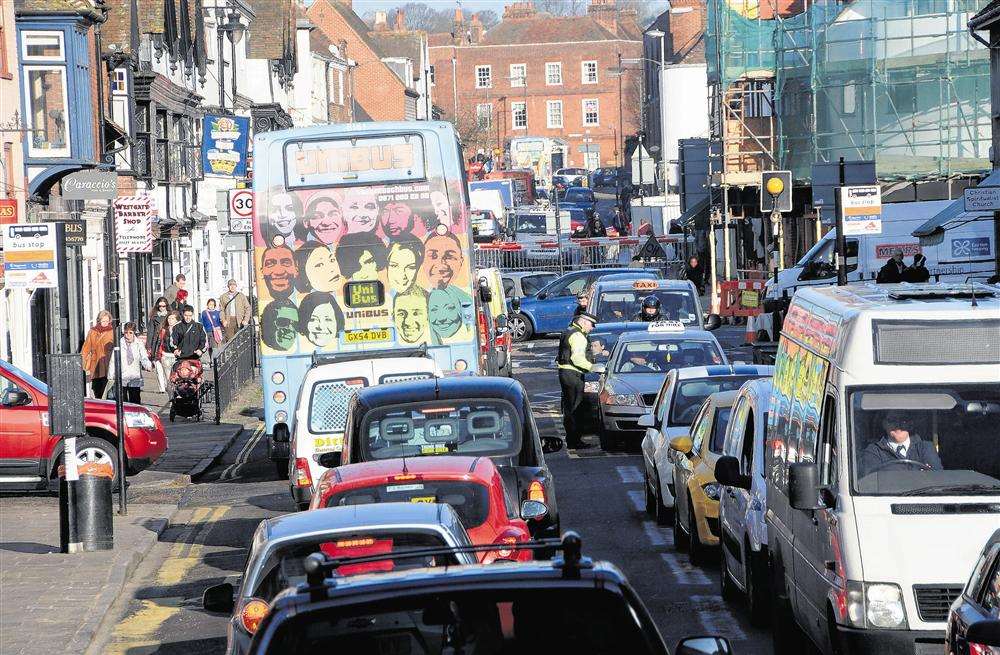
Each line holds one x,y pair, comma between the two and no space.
356,128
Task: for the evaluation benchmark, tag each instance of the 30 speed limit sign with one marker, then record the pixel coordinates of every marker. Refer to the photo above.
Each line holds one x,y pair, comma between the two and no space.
241,211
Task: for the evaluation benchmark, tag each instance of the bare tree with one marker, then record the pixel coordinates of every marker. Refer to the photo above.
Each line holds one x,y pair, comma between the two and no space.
476,134
562,7
488,18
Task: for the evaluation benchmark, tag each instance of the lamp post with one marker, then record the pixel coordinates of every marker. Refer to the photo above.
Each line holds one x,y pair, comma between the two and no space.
233,29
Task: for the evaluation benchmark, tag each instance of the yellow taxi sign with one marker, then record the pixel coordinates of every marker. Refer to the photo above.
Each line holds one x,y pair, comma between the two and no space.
374,335
645,285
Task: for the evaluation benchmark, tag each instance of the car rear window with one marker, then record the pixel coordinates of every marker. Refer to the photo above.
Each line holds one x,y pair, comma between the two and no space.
470,500
461,427
719,430
662,356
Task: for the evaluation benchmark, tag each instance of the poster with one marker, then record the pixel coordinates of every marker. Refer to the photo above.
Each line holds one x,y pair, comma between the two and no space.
30,256
224,145
134,224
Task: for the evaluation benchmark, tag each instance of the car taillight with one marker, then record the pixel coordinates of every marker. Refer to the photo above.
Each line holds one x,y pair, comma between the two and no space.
252,613
536,491
303,478
484,338
981,649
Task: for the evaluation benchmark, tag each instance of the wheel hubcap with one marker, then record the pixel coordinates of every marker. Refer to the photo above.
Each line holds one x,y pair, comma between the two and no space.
517,328
94,455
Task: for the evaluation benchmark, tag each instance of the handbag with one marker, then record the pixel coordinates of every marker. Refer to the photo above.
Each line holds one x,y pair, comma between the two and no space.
217,333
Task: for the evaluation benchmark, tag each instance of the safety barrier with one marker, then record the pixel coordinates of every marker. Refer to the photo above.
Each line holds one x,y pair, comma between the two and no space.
233,368
741,297
568,254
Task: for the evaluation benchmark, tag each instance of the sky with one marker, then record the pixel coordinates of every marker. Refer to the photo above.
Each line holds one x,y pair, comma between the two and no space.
362,6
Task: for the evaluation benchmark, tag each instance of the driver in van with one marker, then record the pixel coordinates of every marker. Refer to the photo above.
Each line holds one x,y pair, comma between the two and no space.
899,443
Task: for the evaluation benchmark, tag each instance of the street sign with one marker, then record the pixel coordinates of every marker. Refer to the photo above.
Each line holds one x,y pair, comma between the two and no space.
775,191
134,224
30,256
826,179
982,199
75,233
861,207
651,250
8,211
241,211
66,391
90,185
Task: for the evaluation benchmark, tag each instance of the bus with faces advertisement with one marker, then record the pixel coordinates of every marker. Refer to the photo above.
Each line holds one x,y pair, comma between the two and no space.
363,245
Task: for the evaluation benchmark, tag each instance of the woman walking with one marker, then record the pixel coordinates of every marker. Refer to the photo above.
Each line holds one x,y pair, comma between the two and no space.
96,352
134,362
211,320
165,357
155,336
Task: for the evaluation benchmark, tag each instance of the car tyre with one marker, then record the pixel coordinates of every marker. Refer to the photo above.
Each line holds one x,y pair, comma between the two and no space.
101,451
663,513
520,327
281,468
680,537
650,496
697,551
726,585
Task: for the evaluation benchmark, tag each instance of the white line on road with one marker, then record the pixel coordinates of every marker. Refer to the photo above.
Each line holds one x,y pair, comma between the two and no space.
658,535
683,571
638,499
715,617
241,459
629,474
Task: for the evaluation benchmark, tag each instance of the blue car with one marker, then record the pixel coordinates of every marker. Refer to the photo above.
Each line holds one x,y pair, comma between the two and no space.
551,309
578,197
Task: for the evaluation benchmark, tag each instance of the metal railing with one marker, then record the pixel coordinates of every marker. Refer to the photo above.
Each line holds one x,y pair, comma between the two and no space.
560,256
232,367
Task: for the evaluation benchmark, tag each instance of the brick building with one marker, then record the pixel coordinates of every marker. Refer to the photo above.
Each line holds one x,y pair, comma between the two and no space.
541,80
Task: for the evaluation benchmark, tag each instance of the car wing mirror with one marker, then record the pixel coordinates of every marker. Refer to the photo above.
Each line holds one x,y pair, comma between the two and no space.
646,421
682,445
551,444
542,296
219,598
711,645
533,510
331,459
727,472
17,398
985,632
516,304
713,322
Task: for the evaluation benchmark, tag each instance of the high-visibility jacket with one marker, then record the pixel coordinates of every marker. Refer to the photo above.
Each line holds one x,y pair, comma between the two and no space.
573,350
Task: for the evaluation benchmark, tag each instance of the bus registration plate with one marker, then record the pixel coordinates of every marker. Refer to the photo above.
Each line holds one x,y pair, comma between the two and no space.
374,335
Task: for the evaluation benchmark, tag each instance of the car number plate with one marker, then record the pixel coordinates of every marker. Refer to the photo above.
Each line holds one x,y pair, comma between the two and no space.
423,499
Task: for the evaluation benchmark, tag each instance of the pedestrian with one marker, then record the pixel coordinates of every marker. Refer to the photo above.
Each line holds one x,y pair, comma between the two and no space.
164,357
96,351
235,310
893,270
212,322
188,339
582,302
180,283
134,361
645,228
620,223
573,363
918,272
696,273
155,334
595,228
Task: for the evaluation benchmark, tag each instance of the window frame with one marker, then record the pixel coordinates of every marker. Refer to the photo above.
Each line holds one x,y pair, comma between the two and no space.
514,113
584,74
558,65
25,37
597,112
549,123
489,76
523,78
66,150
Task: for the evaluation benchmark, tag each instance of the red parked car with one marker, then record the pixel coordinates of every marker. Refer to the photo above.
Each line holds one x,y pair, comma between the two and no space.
471,485
30,455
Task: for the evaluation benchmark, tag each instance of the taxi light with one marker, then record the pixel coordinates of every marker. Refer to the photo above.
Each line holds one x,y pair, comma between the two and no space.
303,478
252,614
645,285
536,491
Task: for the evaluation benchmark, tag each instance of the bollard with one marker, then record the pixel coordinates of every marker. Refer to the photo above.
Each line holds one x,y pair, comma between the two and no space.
94,515
69,541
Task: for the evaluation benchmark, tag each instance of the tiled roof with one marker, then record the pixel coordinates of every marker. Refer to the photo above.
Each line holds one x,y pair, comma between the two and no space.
394,44
81,7
439,39
543,28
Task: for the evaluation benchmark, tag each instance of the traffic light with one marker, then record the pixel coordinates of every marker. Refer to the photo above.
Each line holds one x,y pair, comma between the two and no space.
775,191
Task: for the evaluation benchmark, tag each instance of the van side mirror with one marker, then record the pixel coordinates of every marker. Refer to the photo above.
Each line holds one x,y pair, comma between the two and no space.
727,472
331,459
713,322
599,368
803,486
986,632
711,645
219,598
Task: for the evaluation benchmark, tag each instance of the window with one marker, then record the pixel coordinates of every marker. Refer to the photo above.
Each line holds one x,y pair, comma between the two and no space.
519,115
554,113
758,99
484,116
340,87
518,74
850,99
553,73
591,114
45,89
119,81
430,75
42,46
484,77
589,72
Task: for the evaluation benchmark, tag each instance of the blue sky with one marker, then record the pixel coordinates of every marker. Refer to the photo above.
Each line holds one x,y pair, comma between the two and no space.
361,6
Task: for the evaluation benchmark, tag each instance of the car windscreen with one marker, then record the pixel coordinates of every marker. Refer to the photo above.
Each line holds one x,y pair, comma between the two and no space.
926,440
534,618
575,195
660,356
690,394
529,223
283,566
463,427
470,500
675,305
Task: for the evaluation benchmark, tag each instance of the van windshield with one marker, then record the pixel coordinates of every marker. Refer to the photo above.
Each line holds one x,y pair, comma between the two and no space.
937,440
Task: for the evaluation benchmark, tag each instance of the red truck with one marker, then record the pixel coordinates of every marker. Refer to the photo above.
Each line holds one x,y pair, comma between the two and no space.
30,455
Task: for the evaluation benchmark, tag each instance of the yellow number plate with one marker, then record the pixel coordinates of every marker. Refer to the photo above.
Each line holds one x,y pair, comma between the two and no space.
422,499
376,335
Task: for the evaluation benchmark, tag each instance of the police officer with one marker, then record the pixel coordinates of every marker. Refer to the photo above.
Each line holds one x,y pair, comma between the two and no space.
650,310
573,363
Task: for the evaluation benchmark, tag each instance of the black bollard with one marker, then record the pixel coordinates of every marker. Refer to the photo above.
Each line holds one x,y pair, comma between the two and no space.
69,541
94,515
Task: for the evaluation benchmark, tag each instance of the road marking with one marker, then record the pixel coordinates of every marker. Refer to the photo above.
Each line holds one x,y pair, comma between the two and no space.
185,555
715,617
139,630
658,535
241,459
629,474
683,571
638,499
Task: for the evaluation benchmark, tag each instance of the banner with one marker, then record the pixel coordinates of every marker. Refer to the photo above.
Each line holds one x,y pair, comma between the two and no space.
224,145
134,224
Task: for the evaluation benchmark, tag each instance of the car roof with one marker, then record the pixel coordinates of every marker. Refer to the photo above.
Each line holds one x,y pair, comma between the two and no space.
686,335
449,388
430,515
520,274
697,372
480,469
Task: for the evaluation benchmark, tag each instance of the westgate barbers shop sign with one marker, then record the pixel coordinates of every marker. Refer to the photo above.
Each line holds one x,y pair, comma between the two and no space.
90,185
134,224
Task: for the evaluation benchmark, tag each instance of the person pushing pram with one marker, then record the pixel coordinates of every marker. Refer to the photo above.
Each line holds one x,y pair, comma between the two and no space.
188,341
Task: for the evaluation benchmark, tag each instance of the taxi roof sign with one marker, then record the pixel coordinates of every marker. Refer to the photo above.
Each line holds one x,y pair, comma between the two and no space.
666,326
645,285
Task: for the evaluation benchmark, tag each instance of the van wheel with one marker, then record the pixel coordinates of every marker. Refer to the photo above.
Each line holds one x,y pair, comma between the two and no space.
680,537
650,496
281,468
663,513
726,586
697,551
758,595
520,327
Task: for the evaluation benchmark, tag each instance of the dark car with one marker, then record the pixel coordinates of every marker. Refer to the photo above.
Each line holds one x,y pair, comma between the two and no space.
602,339
974,619
578,197
471,415
571,605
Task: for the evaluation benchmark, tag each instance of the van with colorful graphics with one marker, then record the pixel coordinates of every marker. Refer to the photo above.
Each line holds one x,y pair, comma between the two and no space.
362,244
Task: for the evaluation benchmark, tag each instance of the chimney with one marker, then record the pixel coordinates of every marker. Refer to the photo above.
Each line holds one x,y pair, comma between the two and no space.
381,24
517,10
476,29
400,21
605,13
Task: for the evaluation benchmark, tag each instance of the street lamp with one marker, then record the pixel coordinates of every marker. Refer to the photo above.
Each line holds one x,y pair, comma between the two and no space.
233,28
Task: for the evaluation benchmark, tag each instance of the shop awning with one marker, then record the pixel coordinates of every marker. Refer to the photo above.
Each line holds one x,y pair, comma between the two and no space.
695,214
955,214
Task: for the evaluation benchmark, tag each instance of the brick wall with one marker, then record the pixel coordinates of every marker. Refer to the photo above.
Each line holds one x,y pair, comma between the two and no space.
571,92
685,32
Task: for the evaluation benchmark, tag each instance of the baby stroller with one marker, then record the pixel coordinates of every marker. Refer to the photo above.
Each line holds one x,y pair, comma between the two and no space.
186,378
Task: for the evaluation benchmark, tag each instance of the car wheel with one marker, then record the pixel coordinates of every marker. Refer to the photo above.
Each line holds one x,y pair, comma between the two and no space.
726,586
680,537
520,327
650,496
281,468
663,513
697,551
758,600
98,451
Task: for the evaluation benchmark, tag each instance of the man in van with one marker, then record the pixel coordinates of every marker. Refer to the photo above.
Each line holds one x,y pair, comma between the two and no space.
893,270
899,443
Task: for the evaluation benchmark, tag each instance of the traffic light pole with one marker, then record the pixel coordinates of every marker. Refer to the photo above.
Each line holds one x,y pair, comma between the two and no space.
841,241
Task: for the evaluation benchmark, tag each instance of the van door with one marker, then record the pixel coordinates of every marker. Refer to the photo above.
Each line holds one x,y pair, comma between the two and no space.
733,500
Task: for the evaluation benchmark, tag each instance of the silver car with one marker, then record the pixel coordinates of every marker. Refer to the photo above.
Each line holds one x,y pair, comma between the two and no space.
280,545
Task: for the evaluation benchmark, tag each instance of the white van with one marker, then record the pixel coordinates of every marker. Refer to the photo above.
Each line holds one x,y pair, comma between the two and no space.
957,255
882,461
321,409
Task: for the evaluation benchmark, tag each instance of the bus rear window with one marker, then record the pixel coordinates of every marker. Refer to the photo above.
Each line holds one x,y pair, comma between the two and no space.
360,160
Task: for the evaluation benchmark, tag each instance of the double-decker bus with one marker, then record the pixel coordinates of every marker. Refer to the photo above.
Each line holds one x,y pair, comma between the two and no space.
362,242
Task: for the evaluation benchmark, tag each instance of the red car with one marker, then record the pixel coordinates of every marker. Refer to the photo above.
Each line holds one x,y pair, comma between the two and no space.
471,485
30,455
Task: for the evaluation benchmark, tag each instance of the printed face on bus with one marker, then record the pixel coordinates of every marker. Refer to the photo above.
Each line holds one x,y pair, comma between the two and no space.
442,210
361,210
368,267
279,271
410,314
322,271
325,220
445,313
442,259
402,267
284,327
321,328
396,218
282,214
